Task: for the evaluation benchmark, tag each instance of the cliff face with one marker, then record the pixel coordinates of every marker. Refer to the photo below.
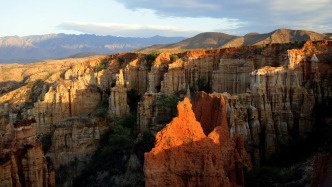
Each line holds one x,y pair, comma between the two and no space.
76,94
278,106
23,162
67,108
184,156
75,139
271,93
69,92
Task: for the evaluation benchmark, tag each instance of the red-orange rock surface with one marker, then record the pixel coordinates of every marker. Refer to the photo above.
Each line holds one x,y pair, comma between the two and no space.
210,111
184,156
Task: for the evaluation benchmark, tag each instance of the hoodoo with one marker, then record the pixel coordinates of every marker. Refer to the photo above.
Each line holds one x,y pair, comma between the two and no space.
184,156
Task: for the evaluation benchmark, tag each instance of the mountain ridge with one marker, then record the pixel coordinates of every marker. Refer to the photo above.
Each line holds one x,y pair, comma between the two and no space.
223,40
54,46
16,49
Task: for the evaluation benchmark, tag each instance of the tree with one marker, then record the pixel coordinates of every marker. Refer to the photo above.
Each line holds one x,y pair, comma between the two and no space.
167,106
203,85
102,65
150,59
174,57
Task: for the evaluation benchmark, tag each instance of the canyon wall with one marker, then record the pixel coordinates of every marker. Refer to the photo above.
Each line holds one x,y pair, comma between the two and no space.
269,107
68,108
75,139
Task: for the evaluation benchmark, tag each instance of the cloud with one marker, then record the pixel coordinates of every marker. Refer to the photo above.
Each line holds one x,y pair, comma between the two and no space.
183,8
260,15
138,30
132,30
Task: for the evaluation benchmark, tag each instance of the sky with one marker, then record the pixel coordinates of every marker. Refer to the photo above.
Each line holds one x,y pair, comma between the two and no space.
146,18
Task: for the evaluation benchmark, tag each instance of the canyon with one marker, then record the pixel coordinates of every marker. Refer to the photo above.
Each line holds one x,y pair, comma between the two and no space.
261,100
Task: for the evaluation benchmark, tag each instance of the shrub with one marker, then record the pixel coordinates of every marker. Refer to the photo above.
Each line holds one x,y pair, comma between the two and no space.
203,84
167,106
102,112
174,58
121,60
36,88
120,137
102,65
128,121
150,59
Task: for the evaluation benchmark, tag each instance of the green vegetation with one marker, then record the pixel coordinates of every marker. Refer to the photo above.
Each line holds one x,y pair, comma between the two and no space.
121,61
102,65
166,104
203,85
174,57
128,121
35,90
114,151
150,59
152,56
102,112
120,138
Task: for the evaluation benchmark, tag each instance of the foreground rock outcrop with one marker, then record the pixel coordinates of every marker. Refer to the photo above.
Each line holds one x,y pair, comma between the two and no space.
22,162
184,156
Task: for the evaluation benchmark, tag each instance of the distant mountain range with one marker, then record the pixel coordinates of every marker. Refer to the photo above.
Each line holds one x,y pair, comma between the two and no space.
222,40
54,46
